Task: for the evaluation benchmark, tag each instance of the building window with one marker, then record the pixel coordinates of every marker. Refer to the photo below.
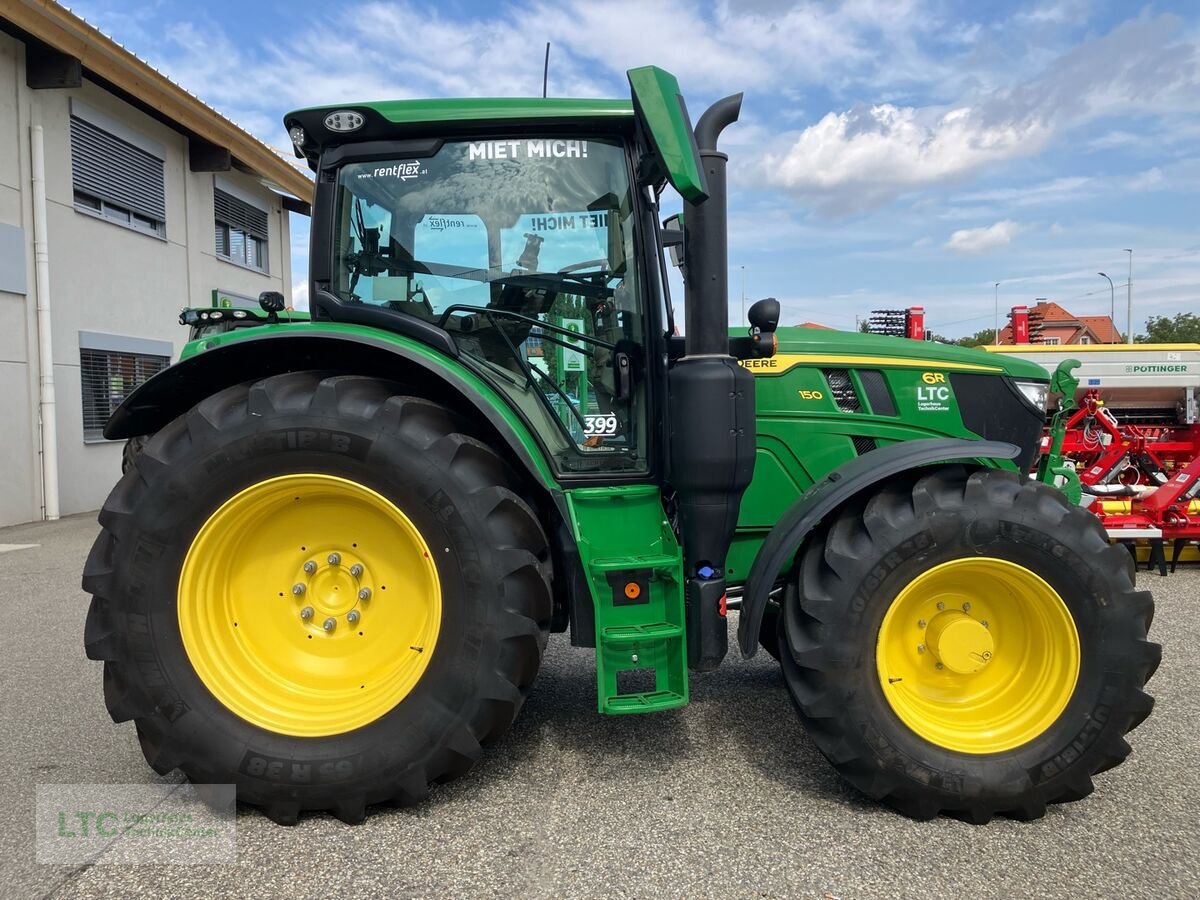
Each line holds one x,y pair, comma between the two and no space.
241,231
1084,339
107,377
117,181
1050,340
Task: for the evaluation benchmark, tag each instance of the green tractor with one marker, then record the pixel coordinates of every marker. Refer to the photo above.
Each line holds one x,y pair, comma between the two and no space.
329,574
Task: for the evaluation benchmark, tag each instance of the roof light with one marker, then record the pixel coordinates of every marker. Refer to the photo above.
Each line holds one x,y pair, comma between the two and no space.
296,133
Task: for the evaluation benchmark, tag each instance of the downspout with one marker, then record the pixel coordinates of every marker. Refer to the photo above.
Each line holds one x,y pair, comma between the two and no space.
41,276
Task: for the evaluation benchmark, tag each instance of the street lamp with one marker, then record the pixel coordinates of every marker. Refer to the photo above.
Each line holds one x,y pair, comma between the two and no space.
743,318
1112,303
1129,299
996,323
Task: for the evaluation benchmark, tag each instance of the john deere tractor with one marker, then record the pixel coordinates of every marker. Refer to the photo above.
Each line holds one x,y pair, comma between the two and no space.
329,574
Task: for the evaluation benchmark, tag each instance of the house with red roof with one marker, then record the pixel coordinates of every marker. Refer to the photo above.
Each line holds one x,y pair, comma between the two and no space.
1061,327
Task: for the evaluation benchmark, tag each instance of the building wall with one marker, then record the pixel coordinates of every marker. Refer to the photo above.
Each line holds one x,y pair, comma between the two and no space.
103,278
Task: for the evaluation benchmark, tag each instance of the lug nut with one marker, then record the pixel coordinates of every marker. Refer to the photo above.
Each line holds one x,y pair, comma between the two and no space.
939,665
335,558
984,623
298,589
352,616
356,570
966,607
941,605
920,623
306,613
310,567
329,624
920,648
364,594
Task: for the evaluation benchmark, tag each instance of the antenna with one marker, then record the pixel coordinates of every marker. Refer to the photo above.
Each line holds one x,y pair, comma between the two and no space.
546,70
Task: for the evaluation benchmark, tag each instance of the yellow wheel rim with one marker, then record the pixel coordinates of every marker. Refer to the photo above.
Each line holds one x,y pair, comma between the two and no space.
309,605
978,655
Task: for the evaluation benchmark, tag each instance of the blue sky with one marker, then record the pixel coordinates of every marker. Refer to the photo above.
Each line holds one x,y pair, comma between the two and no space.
889,153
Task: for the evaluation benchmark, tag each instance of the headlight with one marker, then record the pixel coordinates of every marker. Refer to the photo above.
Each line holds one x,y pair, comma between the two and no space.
1035,392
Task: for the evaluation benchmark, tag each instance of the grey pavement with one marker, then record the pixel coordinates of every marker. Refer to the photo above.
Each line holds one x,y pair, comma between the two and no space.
724,798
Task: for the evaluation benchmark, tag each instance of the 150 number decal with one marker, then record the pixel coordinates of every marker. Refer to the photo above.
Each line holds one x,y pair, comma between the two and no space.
601,425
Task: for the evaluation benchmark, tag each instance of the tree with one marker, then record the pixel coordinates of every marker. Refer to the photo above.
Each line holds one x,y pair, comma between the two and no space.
1182,328
978,339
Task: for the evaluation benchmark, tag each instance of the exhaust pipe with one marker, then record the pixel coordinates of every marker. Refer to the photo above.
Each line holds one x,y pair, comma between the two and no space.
711,405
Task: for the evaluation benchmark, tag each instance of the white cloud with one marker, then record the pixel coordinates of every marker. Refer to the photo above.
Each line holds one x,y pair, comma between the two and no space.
969,241
866,156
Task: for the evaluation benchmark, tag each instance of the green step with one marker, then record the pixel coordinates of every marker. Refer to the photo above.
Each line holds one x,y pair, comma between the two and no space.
632,634
638,703
641,647
618,564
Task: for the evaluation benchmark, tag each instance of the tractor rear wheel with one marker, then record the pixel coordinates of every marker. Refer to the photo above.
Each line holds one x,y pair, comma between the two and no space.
320,590
968,643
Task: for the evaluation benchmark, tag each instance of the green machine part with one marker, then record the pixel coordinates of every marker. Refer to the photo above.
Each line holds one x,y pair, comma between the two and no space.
1052,467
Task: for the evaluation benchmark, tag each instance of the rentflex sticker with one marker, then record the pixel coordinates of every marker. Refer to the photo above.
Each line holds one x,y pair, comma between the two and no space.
933,394
405,171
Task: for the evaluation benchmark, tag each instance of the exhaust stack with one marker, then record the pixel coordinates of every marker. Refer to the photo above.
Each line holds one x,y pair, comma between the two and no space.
711,405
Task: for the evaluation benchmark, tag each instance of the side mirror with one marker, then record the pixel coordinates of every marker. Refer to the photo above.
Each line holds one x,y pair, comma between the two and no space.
672,238
764,316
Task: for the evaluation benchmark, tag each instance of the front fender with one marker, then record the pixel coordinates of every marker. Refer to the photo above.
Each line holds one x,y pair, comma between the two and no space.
823,498
249,355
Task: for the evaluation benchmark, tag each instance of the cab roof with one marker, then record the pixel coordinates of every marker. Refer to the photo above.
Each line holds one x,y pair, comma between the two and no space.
327,126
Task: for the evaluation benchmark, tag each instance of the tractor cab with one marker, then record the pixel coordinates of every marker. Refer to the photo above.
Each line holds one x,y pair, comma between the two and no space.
518,235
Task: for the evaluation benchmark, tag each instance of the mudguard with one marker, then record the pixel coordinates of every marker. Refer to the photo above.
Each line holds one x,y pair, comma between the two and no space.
823,498
235,358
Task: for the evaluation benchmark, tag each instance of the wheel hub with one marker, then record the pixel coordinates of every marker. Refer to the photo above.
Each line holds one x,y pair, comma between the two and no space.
959,643
333,589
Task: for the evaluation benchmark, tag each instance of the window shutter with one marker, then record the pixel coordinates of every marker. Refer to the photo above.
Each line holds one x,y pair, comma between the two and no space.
107,167
239,214
107,378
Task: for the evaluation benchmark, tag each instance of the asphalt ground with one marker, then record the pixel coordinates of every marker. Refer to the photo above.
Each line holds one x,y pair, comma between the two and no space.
724,798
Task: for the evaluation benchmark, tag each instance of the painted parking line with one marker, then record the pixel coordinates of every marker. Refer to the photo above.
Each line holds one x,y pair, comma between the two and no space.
5,548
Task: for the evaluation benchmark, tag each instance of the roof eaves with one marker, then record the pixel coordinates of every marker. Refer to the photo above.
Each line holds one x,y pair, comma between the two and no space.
107,58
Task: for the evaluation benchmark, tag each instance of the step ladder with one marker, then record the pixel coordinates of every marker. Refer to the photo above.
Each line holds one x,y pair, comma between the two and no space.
635,571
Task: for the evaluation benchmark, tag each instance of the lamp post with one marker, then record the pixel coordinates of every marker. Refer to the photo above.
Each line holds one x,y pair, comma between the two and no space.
996,322
1112,302
743,319
1129,300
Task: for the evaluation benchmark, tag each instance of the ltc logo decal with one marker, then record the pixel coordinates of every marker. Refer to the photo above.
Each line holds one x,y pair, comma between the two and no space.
934,395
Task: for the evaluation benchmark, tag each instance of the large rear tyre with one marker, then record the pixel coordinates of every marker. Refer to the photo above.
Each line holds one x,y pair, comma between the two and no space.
320,590
968,643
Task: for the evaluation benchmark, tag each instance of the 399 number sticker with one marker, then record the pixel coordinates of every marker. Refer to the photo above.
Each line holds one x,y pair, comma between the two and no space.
602,425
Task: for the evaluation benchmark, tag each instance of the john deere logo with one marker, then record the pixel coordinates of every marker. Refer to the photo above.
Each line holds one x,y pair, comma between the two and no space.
344,120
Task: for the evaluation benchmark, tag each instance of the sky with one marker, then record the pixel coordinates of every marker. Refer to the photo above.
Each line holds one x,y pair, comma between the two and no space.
890,152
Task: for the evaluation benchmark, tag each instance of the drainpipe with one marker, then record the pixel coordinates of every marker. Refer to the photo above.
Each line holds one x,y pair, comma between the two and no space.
41,263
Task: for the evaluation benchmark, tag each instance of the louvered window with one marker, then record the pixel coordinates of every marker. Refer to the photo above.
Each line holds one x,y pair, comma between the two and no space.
107,378
240,231
116,180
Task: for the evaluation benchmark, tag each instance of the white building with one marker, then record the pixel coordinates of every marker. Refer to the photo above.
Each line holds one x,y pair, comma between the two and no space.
123,199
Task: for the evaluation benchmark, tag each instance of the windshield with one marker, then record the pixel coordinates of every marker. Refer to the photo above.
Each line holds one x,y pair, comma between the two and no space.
523,249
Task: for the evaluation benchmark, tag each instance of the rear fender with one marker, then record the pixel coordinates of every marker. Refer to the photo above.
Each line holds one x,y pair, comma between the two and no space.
243,356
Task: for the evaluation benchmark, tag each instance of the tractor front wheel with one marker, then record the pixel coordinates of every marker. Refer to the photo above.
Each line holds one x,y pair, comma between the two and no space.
318,589
968,643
